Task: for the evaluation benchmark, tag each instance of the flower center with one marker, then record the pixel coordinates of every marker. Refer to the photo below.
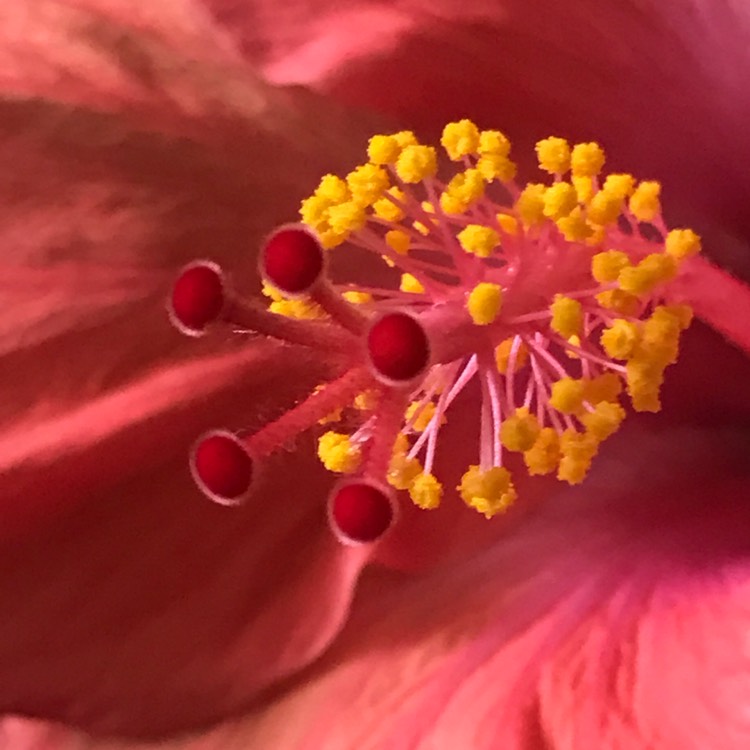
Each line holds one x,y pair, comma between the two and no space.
554,296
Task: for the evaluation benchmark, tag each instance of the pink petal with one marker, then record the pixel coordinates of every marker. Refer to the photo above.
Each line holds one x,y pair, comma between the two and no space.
660,85
618,625
446,659
132,604
615,625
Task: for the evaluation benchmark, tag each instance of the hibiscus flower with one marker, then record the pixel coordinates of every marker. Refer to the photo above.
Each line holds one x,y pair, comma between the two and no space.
611,614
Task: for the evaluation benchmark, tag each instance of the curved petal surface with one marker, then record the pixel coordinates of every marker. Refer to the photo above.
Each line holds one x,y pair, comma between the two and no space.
132,605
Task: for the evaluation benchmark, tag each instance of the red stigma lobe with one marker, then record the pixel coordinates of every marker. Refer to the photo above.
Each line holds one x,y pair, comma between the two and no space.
361,513
398,347
197,297
222,468
292,260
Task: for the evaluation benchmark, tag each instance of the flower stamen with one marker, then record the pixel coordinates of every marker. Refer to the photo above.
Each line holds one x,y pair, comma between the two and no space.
555,295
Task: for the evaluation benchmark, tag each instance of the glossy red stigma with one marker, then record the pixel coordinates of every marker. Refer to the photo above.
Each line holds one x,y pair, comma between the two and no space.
197,297
360,513
292,260
222,468
398,347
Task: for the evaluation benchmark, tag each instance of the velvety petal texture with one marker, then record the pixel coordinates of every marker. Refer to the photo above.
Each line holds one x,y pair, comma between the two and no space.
620,626
609,616
132,142
613,646
659,83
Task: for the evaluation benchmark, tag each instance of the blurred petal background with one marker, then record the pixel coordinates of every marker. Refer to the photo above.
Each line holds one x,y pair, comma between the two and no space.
136,136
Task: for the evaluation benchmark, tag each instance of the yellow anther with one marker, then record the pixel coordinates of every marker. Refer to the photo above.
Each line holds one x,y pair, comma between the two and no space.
271,292
357,298
367,401
383,149
682,243
530,204
597,236
411,284
604,421
493,142
367,183
620,339
574,227
559,200
496,167
586,159
620,185
604,387
554,155
402,471
567,316
662,266
464,189
338,453
644,203
584,187
347,217
575,340
314,211
606,266
330,238
567,395
519,431
478,240
544,456
507,223
682,313
502,356
333,189
577,451
334,416
424,229
489,492
416,163
653,270
425,491
619,301
401,444
384,208
302,309
406,138
604,208
398,240
460,139
644,379
422,414
661,336
484,303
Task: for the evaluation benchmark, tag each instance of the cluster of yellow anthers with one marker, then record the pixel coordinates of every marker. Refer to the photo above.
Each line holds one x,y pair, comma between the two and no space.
564,280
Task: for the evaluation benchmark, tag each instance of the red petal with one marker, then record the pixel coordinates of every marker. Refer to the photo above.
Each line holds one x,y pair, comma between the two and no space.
559,635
